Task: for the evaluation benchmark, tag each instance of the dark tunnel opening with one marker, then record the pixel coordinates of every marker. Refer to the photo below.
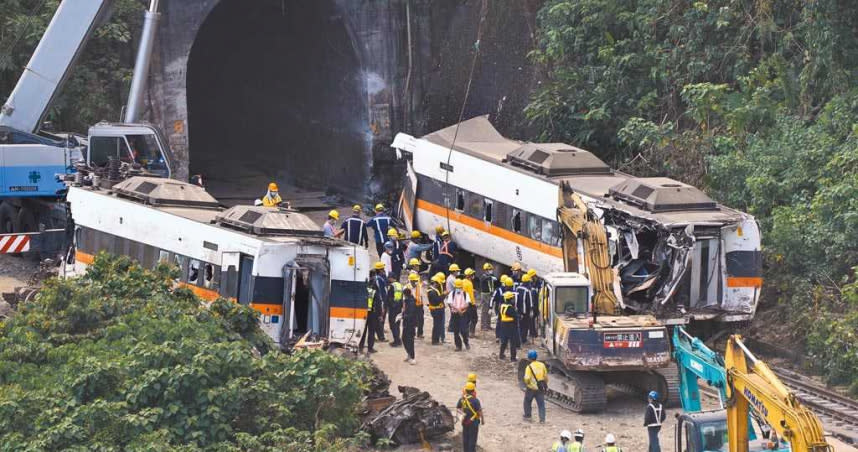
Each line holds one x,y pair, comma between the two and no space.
275,92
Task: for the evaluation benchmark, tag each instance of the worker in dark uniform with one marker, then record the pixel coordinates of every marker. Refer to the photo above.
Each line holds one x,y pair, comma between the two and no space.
379,224
523,304
653,417
436,307
515,272
488,283
416,286
472,417
436,244
397,257
372,316
508,330
535,309
394,308
497,300
354,228
379,278
446,252
410,313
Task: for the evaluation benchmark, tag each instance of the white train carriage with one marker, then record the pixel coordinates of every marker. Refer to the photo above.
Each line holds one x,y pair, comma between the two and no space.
500,198
275,261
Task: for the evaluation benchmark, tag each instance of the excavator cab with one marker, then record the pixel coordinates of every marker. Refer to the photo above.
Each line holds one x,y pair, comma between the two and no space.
136,144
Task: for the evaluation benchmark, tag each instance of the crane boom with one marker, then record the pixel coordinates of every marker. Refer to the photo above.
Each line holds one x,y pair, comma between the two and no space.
750,382
51,63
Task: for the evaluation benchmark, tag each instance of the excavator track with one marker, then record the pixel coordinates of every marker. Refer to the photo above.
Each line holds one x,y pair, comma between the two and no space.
670,386
581,392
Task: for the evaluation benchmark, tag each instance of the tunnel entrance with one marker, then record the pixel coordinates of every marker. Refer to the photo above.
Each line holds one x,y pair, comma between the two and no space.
275,92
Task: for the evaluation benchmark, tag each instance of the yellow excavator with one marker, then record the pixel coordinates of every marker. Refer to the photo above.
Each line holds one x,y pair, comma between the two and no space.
751,382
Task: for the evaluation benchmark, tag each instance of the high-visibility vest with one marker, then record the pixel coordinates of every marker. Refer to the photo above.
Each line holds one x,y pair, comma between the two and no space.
417,291
612,449
575,447
397,291
269,201
657,412
466,403
370,296
440,305
503,316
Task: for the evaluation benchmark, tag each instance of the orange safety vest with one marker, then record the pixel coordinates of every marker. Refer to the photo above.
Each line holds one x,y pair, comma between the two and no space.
417,291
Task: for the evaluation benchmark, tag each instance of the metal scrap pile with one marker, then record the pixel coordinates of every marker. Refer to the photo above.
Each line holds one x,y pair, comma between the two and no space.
415,418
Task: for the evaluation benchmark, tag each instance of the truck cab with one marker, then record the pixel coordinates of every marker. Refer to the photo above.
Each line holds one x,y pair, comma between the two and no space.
139,144
706,431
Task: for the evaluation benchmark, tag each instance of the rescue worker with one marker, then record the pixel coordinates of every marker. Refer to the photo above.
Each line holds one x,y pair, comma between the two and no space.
387,258
472,417
410,315
354,228
507,327
468,286
436,242
446,251
373,304
379,224
611,444
472,378
524,303
272,198
394,308
497,300
452,277
414,265
488,284
563,444
435,296
459,302
535,288
416,247
577,441
330,226
515,272
653,417
417,292
536,382
379,279
397,257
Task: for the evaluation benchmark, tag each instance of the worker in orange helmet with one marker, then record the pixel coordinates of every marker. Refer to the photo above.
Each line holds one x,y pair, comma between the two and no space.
272,198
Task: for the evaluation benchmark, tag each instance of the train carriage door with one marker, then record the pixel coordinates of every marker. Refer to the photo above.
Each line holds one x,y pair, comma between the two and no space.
705,272
245,279
306,290
229,275
408,199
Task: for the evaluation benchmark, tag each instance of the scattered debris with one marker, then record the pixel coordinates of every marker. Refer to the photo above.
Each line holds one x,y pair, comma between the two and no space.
415,418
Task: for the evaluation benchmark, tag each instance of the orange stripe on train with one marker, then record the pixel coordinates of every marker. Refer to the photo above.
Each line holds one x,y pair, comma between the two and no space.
490,229
736,281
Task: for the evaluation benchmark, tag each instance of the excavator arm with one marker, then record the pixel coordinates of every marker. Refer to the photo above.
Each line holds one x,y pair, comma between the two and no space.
592,251
697,361
750,382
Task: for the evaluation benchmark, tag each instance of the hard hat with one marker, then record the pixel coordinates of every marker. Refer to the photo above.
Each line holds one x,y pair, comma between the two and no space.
472,378
516,266
356,208
525,277
413,276
334,214
413,261
469,271
445,234
388,245
257,202
532,272
487,266
415,234
272,187
439,229
508,282
508,295
470,387
392,232
457,283
652,395
454,268
379,207
378,265
579,433
566,434
531,354
609,438
439,278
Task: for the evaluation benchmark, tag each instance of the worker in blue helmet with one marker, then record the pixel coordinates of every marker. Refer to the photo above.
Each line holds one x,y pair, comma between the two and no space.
653,417
536,383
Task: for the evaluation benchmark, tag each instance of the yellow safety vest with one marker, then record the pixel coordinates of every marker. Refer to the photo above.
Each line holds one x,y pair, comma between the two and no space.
612,449
503,316
440,305
575,447
370,295
397,291
467,404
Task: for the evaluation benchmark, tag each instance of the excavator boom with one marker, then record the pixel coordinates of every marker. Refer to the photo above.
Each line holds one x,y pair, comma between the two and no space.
750,382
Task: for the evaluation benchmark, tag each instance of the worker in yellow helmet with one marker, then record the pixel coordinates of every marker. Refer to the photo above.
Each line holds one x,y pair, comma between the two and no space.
507,321
497,300
354,228
379,224
524,305
453,274
416,286
272,197
330,226
472,378
468,286
376,293
459,303
488,283
472,417
435,296
417,246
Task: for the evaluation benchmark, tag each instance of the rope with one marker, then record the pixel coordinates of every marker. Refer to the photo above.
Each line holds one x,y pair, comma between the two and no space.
483,12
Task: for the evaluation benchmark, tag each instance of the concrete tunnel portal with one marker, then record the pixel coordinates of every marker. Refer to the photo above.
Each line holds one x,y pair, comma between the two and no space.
276,92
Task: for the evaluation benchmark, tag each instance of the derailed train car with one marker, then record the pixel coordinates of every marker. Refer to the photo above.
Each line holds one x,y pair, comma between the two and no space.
673,250
275,261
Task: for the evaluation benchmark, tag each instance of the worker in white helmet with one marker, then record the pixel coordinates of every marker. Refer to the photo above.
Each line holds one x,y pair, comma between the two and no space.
563,444
611,444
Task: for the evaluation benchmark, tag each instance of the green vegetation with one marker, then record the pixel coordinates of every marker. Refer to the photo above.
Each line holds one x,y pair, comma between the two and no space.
98,85
756,100
118,360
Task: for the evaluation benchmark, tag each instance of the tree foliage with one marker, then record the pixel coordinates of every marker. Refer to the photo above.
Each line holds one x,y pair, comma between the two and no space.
753,99
119,360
